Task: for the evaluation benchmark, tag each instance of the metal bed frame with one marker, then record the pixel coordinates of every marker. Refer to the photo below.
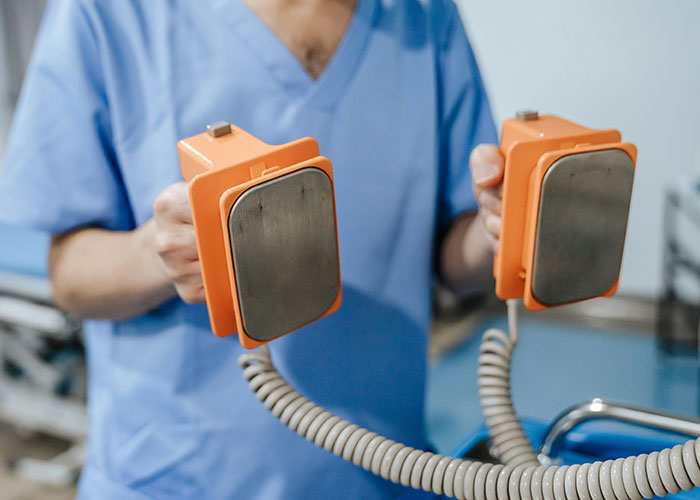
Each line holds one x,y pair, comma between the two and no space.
597,409
42,377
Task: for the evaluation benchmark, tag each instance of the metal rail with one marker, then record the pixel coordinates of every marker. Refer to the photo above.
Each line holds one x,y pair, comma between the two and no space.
597,409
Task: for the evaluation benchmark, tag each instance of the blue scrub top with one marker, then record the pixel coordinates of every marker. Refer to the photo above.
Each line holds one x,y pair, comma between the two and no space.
112,87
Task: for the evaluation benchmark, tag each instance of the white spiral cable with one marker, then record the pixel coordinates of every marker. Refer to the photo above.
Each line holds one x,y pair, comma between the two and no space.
632,478
510,444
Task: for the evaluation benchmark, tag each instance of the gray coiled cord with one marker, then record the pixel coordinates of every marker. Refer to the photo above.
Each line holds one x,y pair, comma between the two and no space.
632,478
510,444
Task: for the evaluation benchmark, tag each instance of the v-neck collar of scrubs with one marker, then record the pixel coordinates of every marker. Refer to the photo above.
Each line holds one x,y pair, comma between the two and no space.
286,69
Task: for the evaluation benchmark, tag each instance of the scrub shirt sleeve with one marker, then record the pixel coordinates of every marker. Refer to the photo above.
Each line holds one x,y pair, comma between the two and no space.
60,170
466,118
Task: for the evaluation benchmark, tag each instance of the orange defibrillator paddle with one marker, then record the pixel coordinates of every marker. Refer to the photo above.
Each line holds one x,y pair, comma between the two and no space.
266,231
566,198
265,222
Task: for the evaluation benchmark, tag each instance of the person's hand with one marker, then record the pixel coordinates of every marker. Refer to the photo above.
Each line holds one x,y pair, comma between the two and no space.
487,164
175,242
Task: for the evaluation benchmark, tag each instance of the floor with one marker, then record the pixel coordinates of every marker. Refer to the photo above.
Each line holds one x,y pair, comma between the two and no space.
556,366
28,258
14,446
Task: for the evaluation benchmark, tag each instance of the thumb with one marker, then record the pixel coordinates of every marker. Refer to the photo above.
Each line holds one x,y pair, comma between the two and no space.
486,163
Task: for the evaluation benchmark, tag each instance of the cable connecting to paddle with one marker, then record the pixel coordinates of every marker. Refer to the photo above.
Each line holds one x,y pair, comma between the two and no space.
519,477
510,445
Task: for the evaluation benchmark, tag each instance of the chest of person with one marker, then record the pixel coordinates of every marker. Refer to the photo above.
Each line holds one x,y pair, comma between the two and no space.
310,30
373,109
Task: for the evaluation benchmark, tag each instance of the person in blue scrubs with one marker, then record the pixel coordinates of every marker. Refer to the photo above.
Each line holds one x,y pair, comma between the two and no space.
391,92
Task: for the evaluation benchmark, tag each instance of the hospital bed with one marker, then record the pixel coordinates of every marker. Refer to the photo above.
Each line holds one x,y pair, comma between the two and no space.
42,369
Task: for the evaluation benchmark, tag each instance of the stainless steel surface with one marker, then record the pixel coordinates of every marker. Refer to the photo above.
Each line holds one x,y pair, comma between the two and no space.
218,129
42,318
527,115
21,285
584,205
598,409
284,247
34,410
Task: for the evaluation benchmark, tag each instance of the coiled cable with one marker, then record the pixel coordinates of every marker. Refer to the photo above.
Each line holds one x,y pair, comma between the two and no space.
519,478
510,444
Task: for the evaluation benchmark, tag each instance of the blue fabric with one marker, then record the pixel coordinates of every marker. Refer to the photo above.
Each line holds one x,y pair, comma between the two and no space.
23,250
587,442
112,86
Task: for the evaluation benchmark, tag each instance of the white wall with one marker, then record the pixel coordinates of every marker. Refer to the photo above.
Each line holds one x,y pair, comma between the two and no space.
19,21
633,65
5,107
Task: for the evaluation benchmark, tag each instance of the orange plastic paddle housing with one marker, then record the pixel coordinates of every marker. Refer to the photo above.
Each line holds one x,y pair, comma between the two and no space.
531,146
220,169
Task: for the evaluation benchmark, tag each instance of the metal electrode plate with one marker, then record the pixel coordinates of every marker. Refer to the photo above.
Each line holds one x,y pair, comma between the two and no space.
284,249
583,211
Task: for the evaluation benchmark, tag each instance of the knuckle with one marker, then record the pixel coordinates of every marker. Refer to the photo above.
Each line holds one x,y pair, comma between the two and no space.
188,297
188,239
491,222
172,271
488,200
483,199
486,154
171,199
480,152
165,243
477,151
474,158
163,203
186,273
191,294
177,275
180,273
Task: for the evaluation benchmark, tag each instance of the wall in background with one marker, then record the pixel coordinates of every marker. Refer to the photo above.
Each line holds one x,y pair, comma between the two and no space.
5,107
19,22
629,64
